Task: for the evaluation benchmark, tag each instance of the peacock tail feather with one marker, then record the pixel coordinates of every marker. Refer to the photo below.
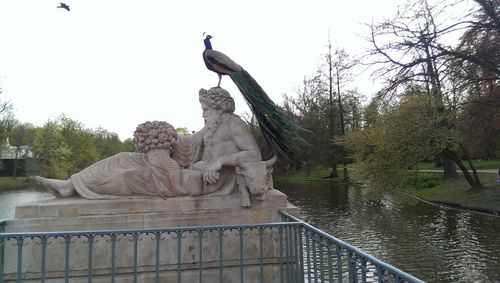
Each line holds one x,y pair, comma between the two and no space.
279,130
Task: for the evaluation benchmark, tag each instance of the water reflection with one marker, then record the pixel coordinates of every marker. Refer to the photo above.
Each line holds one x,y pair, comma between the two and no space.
9,200
432,243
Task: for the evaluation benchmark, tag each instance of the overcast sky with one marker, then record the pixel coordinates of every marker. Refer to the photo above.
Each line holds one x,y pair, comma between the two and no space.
115,64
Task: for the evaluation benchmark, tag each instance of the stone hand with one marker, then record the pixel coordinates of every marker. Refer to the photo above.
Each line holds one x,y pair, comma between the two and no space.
211,175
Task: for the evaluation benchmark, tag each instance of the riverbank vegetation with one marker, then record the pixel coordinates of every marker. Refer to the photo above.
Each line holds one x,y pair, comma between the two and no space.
10,184
457,193
478,164
58,149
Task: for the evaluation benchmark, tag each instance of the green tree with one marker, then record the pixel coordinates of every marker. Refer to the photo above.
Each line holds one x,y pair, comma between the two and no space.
107,143
480,125
50,148
182,131
128,146
311,108
64,147
339,64
7,122
397,139
80,142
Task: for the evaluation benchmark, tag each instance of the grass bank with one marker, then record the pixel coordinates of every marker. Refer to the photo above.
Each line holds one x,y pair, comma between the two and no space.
457,192
479,164
9,184
318,174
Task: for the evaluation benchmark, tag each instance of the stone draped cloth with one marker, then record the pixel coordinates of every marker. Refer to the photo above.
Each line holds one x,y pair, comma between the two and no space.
123,175
128,174
131,175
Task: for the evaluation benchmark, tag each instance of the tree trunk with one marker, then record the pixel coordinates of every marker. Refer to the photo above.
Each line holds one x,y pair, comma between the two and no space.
14,171
449,170
473,180
335,172
308,170
342,125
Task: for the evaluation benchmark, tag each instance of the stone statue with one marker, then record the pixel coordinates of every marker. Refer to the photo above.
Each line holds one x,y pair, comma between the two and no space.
216,160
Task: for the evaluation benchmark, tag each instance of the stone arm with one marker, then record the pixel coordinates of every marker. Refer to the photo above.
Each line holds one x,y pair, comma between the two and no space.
248,150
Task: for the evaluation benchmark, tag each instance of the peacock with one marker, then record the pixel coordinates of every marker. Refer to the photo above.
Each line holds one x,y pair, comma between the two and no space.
279,130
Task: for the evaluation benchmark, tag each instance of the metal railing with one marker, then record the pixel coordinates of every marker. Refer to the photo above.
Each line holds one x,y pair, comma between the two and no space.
324,258
289,251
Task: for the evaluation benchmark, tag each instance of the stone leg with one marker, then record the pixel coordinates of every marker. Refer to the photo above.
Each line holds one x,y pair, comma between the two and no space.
59,188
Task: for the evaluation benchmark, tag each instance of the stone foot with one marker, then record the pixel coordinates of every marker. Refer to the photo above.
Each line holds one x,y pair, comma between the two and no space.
59,188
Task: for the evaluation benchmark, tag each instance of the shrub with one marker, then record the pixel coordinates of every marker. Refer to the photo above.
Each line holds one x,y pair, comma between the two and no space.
421,181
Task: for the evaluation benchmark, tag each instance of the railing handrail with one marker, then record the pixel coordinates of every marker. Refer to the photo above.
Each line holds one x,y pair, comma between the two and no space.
353,248
147,230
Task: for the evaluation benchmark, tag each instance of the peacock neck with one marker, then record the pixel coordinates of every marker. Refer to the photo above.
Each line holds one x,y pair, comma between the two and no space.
208,45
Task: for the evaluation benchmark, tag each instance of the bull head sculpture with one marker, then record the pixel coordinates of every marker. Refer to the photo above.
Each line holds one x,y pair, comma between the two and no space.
257,176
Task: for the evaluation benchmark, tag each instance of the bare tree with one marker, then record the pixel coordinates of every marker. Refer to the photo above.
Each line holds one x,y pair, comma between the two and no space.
409,50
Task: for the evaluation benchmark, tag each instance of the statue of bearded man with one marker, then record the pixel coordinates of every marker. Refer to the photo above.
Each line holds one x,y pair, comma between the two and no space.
200,164
223,143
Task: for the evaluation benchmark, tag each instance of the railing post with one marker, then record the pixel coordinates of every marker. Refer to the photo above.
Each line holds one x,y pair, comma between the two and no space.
241,233
351,261
135,238
157,256
67,241
43,246
261,253
2,250
179,258
90,240
314,264
280,229
113,256
221,255
301,255
2,241
321,263
287,253
339,263
308,250
200,247
330,261
19,258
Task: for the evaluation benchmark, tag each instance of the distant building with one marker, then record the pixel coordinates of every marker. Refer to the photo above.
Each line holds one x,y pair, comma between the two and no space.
8,154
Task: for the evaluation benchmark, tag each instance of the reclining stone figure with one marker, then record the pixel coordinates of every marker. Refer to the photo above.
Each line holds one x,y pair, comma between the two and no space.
213,161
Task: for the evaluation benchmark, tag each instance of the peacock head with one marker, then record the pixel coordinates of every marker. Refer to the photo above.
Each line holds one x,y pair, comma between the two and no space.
208,45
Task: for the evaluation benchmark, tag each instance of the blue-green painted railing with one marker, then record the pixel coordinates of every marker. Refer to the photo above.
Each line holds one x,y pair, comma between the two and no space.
304,253
324,258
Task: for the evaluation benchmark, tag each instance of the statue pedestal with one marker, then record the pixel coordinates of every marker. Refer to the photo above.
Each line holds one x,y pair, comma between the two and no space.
148,255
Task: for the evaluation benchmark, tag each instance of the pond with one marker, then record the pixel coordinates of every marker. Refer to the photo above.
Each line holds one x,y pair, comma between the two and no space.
433,243
10,199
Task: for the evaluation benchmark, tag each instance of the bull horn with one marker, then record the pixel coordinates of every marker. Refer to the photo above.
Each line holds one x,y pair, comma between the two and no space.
270,162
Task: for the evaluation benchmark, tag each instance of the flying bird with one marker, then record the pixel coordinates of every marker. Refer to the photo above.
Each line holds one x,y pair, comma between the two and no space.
279,130
63,5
